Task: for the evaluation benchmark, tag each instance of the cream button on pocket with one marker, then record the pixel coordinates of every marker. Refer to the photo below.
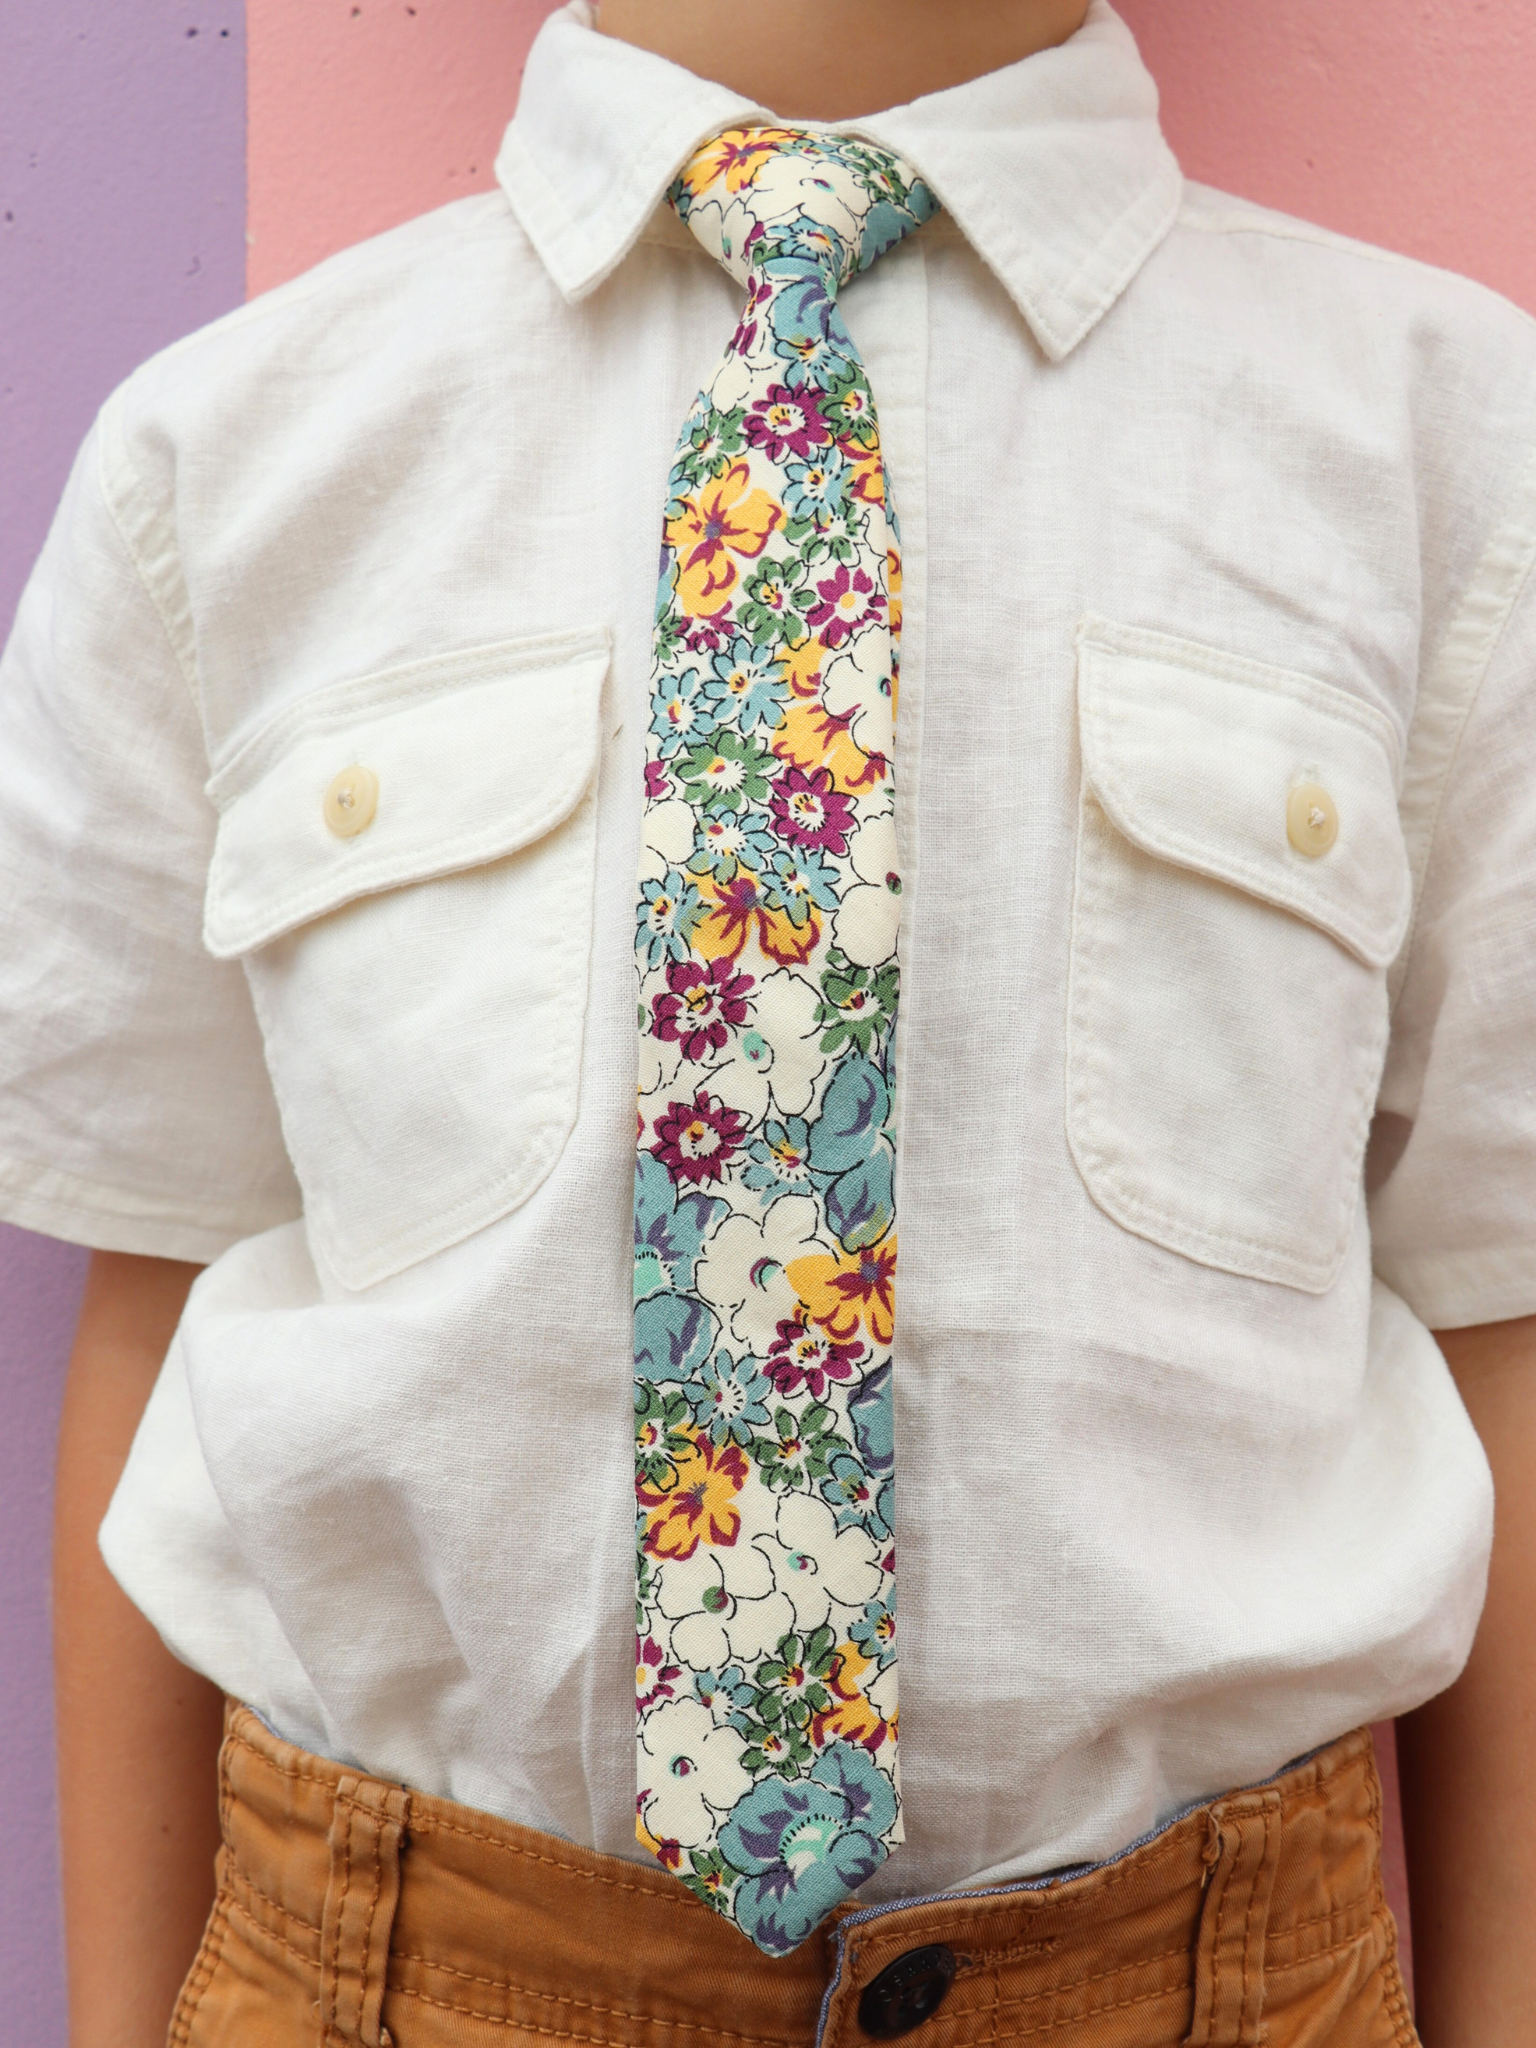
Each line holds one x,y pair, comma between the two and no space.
1311,819
351,801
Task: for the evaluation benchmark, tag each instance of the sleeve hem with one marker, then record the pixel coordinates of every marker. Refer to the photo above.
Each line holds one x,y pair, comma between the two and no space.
1455,1290
56,1204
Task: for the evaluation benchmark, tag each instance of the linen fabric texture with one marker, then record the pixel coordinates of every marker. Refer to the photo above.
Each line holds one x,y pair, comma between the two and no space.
1198,504
394,1916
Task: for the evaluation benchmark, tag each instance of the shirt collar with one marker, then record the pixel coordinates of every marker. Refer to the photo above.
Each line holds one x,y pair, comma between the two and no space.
1055,168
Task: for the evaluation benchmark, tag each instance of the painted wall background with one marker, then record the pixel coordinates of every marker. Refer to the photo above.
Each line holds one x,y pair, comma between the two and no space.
126,130
122,225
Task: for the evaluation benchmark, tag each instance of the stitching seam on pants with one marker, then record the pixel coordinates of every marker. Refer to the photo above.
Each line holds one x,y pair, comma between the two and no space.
1167,1955
270,1763
612,2012
1334,1948
1253,1893
242,1881
376,1887
1101,1977
239,1911
1399,2011
1346,1906
428,1825
328,2018
204,1968
1225,1881
984,1958
1094,2012
560,2034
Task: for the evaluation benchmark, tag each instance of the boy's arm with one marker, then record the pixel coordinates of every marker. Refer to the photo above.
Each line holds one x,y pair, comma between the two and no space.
1468,1758
138,1733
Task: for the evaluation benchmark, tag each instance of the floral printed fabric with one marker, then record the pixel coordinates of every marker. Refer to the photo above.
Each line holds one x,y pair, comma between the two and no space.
765,1222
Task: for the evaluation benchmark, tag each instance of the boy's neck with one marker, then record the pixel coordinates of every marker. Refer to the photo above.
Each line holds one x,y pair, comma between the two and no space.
831,60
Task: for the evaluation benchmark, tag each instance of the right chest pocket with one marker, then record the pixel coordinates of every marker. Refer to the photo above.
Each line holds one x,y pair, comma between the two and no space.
421,978
1227,998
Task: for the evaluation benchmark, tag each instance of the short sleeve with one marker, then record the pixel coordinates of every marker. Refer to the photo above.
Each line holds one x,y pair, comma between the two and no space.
136,1113
1453,1208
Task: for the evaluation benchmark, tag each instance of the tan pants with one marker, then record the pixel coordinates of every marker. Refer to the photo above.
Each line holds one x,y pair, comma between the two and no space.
354,1912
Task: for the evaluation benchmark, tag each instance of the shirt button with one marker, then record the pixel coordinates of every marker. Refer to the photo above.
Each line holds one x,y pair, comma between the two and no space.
351,801
1311,819
910,1991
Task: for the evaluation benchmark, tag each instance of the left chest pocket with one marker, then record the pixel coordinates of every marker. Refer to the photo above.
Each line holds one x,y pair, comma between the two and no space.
1242,887
405,863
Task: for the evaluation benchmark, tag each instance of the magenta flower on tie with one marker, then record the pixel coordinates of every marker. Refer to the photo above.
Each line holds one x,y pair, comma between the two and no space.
696,1141
701,1007
808,811
848,600
785,423
655,1676
803,1355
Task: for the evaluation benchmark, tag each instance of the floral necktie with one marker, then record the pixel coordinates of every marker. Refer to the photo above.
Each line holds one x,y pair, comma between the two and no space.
765,1224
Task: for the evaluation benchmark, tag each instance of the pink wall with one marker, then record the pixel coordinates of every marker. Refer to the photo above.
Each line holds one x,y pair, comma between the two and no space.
365,112
1410,123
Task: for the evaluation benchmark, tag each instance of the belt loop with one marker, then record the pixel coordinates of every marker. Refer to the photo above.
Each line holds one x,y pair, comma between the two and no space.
367,1832
1243,1850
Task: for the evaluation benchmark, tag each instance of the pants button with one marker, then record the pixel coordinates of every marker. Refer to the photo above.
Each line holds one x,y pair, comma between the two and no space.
908,1992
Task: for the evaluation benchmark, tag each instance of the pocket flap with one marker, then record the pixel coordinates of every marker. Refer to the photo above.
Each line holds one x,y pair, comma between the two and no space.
1193,754
473,755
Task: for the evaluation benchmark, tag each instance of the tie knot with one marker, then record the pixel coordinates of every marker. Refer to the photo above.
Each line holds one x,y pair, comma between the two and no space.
766,199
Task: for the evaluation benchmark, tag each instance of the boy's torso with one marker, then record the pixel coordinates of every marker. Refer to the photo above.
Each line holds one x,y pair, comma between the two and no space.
1148,1397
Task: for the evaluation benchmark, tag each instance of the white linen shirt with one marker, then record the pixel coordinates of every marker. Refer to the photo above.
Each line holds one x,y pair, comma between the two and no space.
1201,507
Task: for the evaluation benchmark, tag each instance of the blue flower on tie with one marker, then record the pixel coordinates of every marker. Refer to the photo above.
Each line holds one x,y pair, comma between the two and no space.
673,1336
670,1229
807,327
817,488
727,841
727,1694
681,712
803,1847
777,1160
729,1397
669,914
800,879
873,1416
886,224
746,687
875,1634
859,1500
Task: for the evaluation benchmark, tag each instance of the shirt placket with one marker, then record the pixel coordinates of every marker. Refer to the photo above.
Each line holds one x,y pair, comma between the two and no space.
887,314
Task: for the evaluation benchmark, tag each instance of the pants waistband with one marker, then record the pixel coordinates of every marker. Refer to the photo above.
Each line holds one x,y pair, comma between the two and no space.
410,1916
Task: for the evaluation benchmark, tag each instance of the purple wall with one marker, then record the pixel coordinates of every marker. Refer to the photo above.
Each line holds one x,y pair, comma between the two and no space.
39,1292
122,219
122,226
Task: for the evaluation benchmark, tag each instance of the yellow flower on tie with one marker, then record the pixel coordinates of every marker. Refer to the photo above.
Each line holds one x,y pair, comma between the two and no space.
869,477
725,522
843,1293
737,155
699,1506
739,911
809,736
801,666
851,1717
